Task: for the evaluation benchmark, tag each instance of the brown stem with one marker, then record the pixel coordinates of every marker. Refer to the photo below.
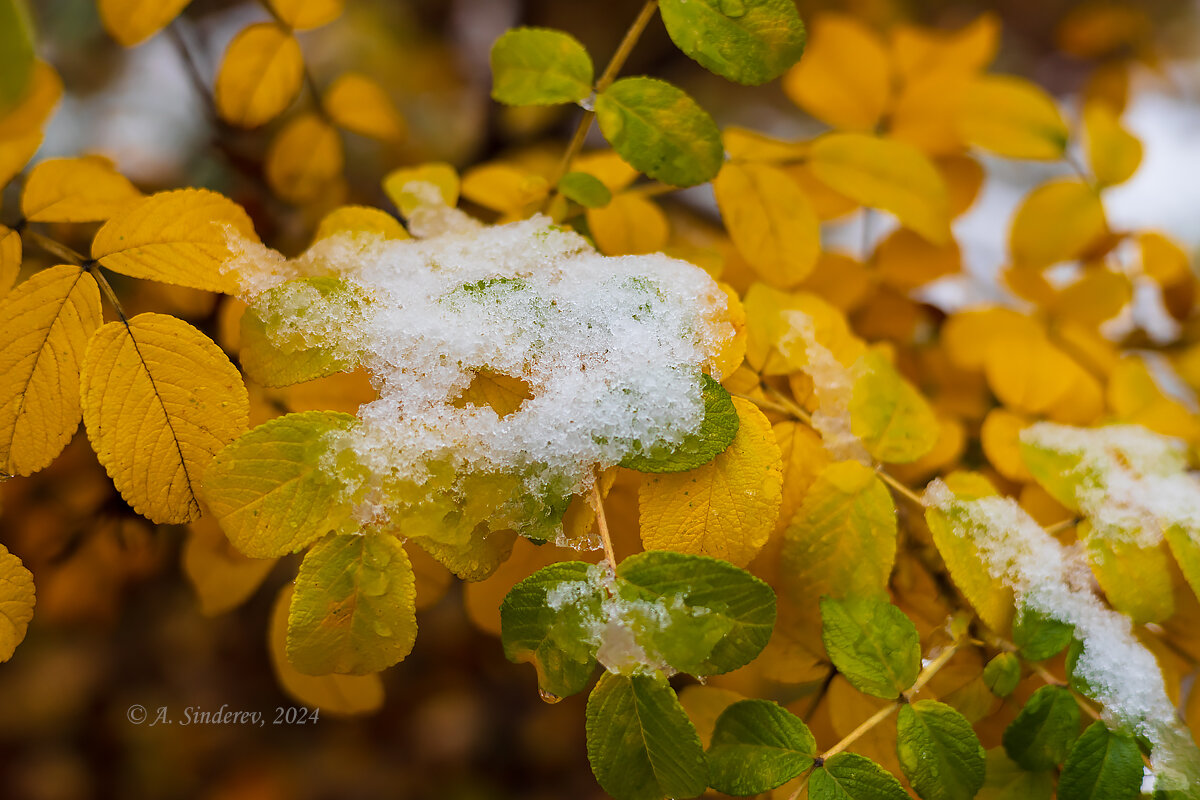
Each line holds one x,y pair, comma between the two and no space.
597,504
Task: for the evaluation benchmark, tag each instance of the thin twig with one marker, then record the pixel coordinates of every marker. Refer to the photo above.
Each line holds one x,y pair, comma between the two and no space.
597,504
900,488
72,256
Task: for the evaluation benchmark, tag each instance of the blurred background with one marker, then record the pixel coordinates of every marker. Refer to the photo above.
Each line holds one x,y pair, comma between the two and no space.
119,620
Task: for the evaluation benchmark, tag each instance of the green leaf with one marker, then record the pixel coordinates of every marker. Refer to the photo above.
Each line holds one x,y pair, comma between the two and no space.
1002,674
294,332
1007,780
939,751
660,130
544,620
756,746
893,420
539,66
640,742
16,52
1042,734
848,776
269,490
872,643
702,596
748,41
585,189
716,432
1039,636
475,559
354,610
1103,765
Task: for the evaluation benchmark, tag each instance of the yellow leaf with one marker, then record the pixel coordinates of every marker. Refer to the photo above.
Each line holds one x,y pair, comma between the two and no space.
1092,30
825,201
10,258
964,177
504,394
304,159
16,602
841,280
1032,376
340,695
221,576
1135,579
44,328
16,152
1113,152
1058,221
1097,296
803,456
607,167
360,219
968,335
771,221
302,15
767,328
359,104
927,111
920,50
888,175
1135,397
159,400
26,118
999,437
1013,117
131,22
907,261
704,704
440,174
504,188
87,189
260,75
844,78
629,225
179,237
1163,259
743,144
733,351
726,508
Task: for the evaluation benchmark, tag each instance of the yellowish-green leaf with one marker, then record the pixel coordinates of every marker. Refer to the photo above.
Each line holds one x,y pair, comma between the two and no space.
1135,578
770,220
440,174
159,400
726,508
539,66
1113,153
481,556
44,328
1012,117
131,22
342,695
888,175
630,224
360,220
16,52
1058,221
844,78
305,158
353,611
302,15
260,75
16,602
890,417
26,118
182,237
10,258
87,189
749,42
359,104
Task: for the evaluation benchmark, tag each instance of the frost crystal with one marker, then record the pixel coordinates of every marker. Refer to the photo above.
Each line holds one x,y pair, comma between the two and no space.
610,351
1055,581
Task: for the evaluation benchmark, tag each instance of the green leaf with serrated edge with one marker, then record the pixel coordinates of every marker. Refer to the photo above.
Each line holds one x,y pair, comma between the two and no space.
474,560
293,332
708,594
544,620
354,609
660,130
640,742
1007,780
748,41
717,430
1002,674
891,418
269,488
848,776
1039,636
1102,765
16,52
1042,734
540,66
585,189
939,752
872,643
756,746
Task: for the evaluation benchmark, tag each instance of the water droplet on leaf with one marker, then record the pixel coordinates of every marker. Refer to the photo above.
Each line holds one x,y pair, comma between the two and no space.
548,697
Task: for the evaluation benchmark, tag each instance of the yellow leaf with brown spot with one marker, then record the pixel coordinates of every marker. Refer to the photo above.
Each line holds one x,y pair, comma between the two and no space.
1058,221
771,221
844,78
1113,153
182,237
44,328
888,175
131,22
260,76
159,400
360,105
87,189
725,508
1012,117
629,225
16,602
305,158
302,15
